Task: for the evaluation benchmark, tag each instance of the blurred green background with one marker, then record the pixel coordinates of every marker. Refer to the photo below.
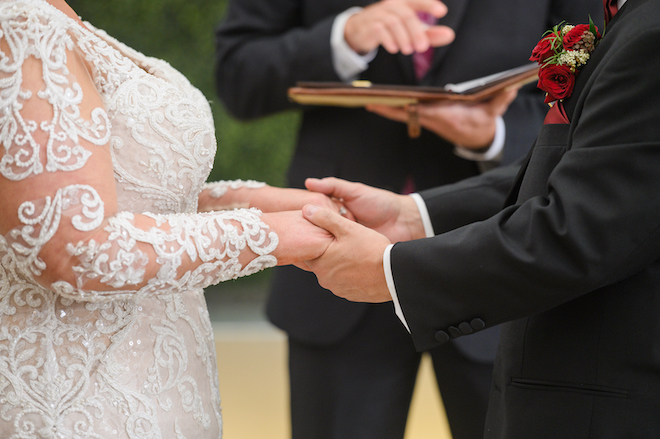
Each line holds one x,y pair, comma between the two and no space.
182,33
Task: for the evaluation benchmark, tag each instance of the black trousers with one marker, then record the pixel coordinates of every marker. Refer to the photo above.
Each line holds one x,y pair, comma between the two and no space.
361,388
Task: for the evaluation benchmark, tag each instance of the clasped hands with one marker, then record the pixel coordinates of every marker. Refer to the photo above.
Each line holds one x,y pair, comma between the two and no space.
337,229
351,265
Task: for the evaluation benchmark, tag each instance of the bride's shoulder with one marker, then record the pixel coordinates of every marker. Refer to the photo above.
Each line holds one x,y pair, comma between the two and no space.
33,29
31,17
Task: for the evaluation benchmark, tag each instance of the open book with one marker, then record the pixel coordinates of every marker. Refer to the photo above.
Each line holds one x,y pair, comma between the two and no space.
361,93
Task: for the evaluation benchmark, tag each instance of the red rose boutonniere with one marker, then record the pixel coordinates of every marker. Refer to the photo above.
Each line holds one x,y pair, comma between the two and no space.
561,53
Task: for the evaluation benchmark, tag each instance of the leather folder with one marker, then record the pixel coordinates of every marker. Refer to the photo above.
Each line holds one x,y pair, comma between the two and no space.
361,93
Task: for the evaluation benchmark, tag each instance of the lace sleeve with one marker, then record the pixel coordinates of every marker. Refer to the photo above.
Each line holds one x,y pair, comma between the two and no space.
128,253
60,225
217,190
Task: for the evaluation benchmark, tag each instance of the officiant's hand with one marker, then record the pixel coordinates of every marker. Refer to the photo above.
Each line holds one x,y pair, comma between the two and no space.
352,264
393,215
467,124
394,24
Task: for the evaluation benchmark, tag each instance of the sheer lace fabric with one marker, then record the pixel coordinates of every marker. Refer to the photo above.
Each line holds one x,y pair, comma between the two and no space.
104,331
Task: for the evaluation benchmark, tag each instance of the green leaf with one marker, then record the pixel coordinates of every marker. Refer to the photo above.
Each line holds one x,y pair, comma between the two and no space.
592,27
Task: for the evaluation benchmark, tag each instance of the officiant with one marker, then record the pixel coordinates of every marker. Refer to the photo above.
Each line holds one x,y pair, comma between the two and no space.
352,365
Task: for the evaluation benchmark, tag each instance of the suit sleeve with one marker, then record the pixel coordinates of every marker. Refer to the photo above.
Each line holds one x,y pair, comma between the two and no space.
263,47
470,200
597,223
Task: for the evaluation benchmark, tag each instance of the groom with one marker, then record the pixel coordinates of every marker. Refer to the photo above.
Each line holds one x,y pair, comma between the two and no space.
571,263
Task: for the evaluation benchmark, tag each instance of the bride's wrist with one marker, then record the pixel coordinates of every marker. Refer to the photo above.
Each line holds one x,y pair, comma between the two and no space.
277,199
266,198
226,195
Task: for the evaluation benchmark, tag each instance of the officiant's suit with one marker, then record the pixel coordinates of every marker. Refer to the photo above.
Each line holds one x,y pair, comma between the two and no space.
571,264
266,46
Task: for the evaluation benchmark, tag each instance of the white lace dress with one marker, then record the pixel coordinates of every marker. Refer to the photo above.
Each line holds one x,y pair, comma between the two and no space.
104,330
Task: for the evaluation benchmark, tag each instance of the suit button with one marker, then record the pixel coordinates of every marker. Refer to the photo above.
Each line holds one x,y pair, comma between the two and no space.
465,328
477,324
442,336
454,332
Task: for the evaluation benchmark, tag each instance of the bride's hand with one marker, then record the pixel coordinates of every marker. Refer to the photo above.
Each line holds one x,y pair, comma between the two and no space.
299,240
270,199
275,199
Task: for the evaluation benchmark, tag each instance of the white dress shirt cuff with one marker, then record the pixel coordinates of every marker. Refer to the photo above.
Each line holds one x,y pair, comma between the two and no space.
387,267
348,64
424,213
494,152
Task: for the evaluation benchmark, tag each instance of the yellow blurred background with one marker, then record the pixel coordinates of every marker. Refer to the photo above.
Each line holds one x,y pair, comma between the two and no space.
252,363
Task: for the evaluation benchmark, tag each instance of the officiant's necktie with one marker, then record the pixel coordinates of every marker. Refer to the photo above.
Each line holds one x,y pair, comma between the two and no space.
422,60
422,63
610,9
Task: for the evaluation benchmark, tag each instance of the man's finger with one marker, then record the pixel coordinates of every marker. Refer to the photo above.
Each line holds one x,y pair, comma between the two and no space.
332,187
440,35
325,219
504,99
393,113
433,7
406,28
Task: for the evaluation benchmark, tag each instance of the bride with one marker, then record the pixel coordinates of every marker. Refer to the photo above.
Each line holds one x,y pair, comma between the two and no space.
108,235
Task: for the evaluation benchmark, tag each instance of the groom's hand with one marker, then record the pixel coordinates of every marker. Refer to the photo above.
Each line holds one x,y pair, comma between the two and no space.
352,265
395,216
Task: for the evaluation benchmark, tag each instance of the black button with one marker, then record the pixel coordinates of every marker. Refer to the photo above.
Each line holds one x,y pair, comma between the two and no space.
442,336
477,324
454,332
465,328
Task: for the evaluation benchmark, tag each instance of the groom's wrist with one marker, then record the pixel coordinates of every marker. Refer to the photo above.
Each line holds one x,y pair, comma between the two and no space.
412,216
420,221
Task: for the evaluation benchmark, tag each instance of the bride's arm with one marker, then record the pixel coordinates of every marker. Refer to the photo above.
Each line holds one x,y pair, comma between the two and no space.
61,225
224,195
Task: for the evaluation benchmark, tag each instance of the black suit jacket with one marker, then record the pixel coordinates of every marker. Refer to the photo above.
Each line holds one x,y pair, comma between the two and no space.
266,46
572,265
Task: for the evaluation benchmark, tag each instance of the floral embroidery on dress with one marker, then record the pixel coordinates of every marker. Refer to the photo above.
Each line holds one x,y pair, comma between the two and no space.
63,151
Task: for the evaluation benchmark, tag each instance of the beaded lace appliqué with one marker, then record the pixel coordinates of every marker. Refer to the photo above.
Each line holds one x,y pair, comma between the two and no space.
63,150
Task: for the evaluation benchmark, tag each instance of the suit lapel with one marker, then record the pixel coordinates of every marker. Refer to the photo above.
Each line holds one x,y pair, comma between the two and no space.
582,80
553,134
